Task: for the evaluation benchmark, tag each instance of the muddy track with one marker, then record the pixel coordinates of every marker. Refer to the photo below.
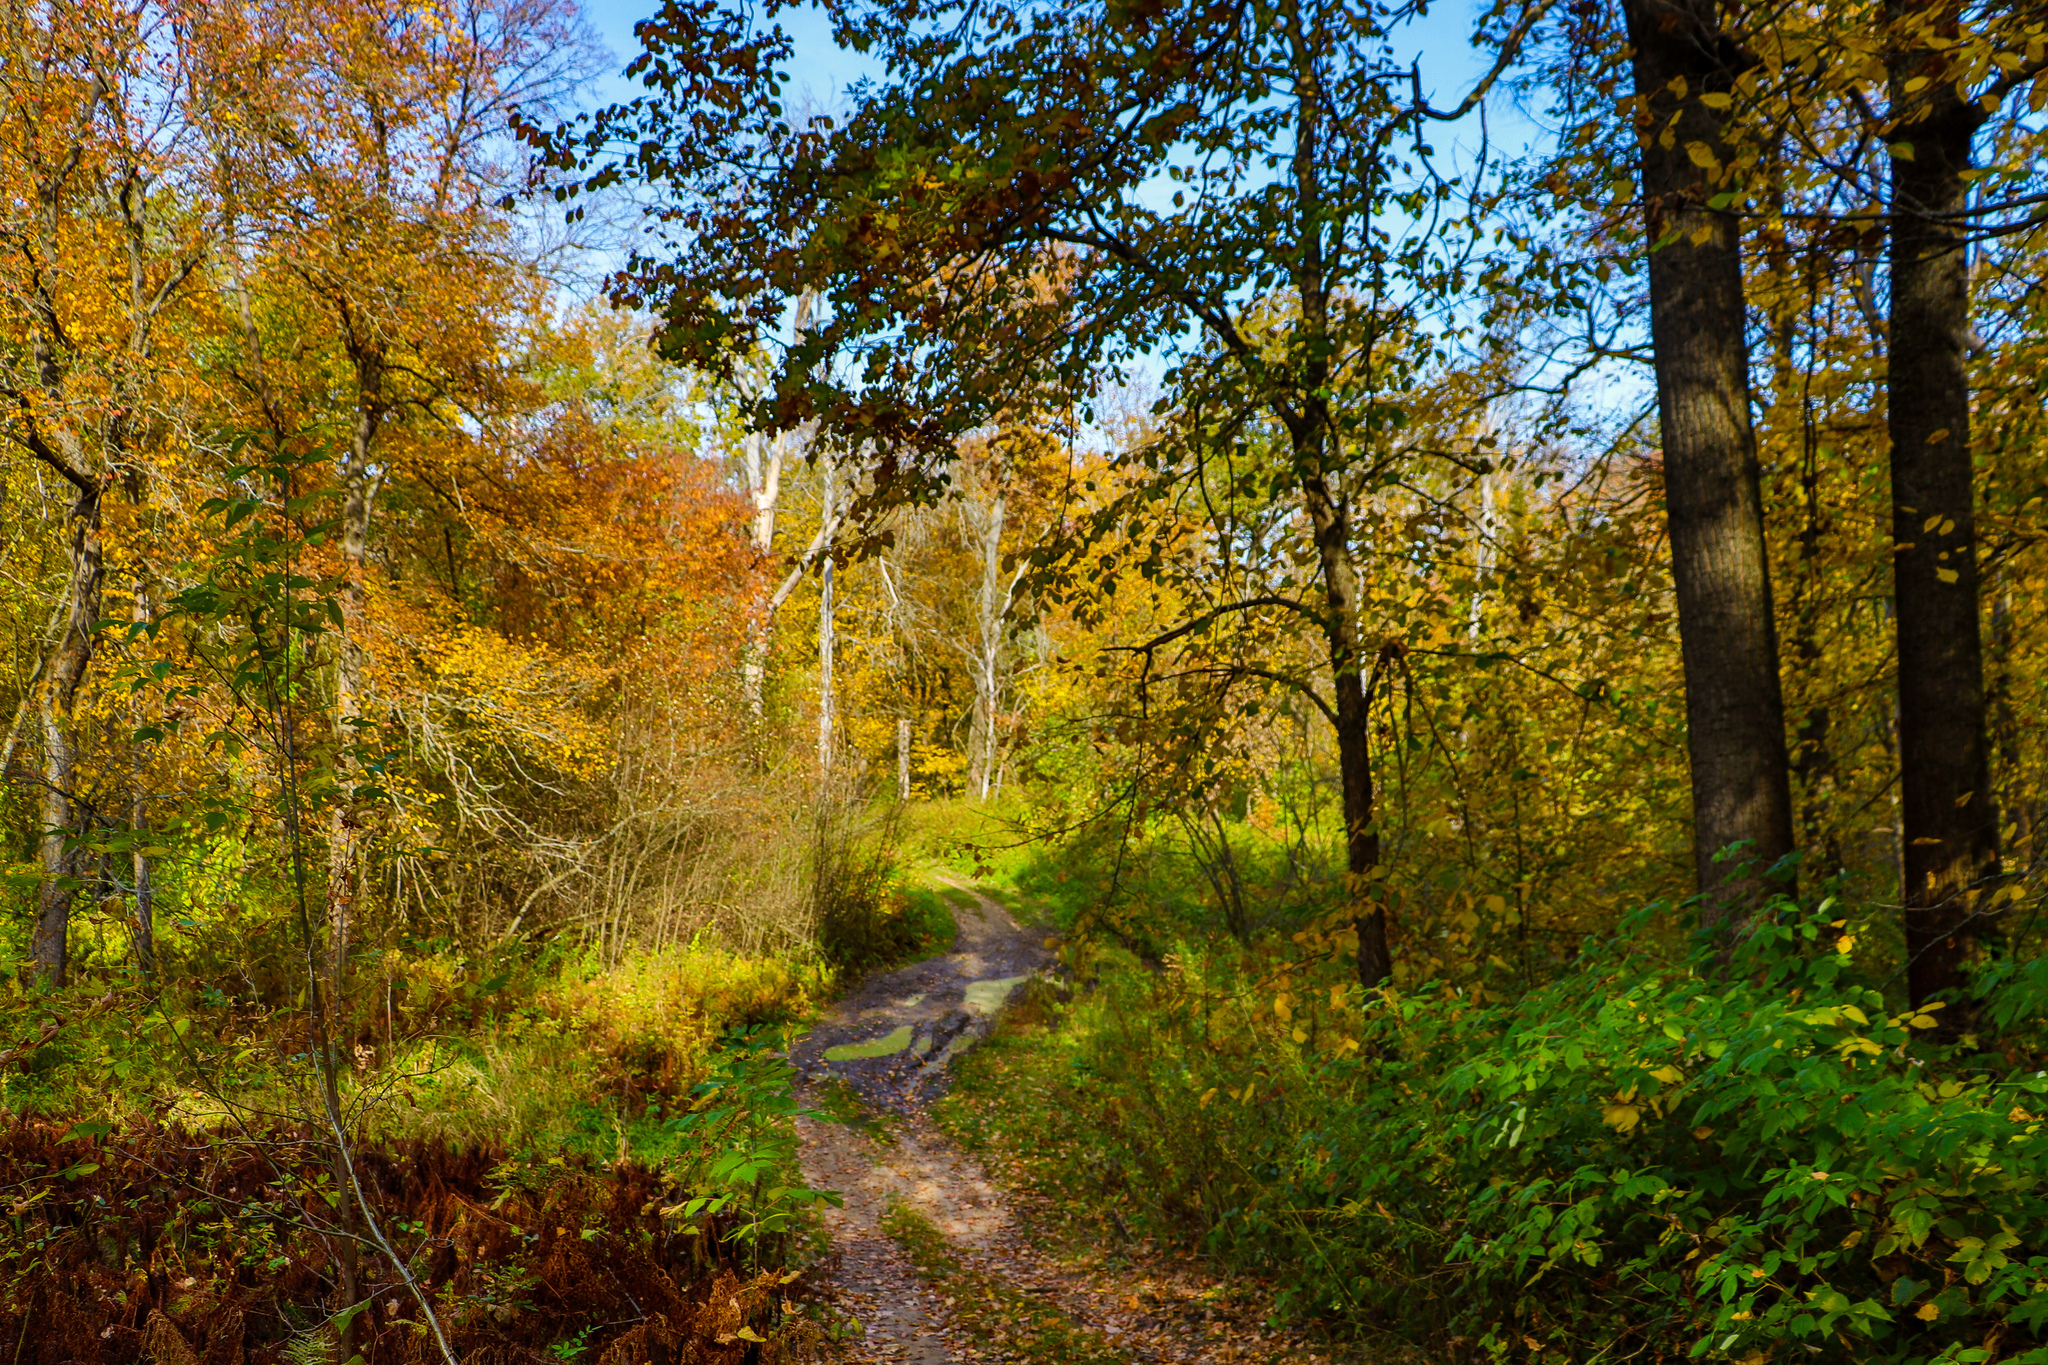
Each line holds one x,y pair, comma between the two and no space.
891,1043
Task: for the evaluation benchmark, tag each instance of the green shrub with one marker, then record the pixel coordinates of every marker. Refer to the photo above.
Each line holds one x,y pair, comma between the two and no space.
1683,1159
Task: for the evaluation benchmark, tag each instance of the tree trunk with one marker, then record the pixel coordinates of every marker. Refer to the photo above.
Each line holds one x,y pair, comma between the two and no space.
1332,521
1328,504
1735,712
903,758
991,612
764,461
827,625
50,943
764,489
138,826
1950,829
344,854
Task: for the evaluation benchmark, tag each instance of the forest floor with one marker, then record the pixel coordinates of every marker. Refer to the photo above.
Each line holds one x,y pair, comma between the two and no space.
932,1256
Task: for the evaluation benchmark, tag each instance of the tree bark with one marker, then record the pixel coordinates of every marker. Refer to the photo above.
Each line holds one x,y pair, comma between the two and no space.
361,480
827,624
50,943
1949,838
1735,711
903,758
1326,499
138,825
992,610
1332,520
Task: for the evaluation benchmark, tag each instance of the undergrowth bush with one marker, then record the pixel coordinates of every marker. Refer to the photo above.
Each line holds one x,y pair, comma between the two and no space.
867,915
1753,1161
142,1245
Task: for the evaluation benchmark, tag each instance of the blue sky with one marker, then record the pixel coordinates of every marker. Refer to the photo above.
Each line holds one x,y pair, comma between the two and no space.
821,69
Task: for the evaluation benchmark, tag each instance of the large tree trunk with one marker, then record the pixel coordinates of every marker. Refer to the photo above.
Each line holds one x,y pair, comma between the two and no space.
50,943
1735,712
1950,834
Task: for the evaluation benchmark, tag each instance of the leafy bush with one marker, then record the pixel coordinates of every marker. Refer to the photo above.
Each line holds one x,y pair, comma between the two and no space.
1690,1158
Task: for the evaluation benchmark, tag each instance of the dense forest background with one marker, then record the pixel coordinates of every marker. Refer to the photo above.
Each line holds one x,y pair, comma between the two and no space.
1510,663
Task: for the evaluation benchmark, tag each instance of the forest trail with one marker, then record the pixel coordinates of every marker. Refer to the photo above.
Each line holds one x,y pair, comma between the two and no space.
889,1045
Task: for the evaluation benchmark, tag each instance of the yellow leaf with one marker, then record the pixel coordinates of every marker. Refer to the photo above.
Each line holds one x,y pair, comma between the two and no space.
1670,1075
1922,1021
1208,1095
1902,151
1282,1008
1677,86
1300,1036
1703,235
1846,944
1850,1011
1916,84
1927,1312
1714,99
1702,156
1621,1116
1946,575
749,1334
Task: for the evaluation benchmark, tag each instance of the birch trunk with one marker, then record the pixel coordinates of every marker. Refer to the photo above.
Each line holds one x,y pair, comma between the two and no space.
826,623
992,611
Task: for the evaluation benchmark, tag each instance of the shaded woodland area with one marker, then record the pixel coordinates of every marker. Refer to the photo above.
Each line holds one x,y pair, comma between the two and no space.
1486,599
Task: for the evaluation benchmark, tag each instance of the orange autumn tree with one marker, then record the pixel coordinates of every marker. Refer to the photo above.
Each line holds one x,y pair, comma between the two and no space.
380,286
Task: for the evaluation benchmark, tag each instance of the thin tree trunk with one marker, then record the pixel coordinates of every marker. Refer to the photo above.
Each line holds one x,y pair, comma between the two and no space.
138,825
765,461
764,488
1950,822
827,627
1735,712
992,611
344,853
50,943
903,758
1328,504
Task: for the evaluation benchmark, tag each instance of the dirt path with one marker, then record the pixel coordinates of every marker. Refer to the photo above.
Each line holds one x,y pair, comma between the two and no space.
890,1043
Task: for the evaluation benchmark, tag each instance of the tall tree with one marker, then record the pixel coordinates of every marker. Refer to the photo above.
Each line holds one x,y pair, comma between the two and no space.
1685,66
367,166
1949,834
103,227
1026,143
